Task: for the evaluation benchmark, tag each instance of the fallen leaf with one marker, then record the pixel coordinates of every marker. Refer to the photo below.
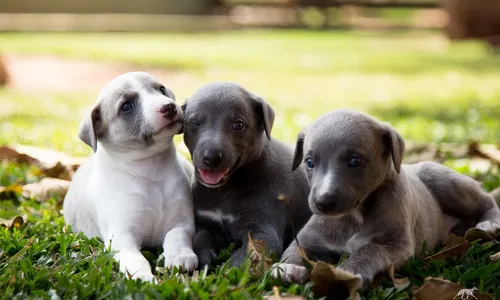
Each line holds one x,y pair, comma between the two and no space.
455,246
495,257
258,255
15,222
46,188
51,163
490,152
398,282
474,234
10,192
331,281
436,288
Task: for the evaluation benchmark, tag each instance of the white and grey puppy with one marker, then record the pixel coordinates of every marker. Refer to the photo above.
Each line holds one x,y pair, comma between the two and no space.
367,203
134,191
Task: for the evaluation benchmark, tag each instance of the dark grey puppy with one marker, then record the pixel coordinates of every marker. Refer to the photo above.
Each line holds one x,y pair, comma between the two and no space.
240,173
366,203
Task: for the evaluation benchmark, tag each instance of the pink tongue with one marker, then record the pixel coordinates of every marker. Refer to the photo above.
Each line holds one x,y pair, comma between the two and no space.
212,177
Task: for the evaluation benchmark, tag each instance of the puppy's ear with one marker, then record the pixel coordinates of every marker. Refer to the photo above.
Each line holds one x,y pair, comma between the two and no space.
394,144
266,114
184,106
90,127
299,151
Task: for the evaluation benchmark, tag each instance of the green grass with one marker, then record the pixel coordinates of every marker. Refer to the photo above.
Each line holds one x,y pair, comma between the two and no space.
429,90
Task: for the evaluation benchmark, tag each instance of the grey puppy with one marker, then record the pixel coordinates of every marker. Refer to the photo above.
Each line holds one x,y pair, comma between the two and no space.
366,203
240,173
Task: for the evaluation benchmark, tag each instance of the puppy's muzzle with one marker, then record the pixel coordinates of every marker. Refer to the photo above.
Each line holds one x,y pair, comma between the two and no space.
326,203
169,111
212,158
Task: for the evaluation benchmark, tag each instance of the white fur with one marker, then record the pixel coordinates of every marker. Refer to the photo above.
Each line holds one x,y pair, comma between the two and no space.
217,216
136,199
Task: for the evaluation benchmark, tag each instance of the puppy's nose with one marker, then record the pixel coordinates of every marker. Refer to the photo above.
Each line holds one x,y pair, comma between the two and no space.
212,159
168,110
326,203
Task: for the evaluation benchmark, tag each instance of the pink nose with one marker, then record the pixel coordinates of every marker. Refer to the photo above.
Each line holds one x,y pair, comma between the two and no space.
168,110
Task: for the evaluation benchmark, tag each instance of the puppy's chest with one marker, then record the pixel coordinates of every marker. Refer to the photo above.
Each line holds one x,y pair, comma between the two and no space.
215,209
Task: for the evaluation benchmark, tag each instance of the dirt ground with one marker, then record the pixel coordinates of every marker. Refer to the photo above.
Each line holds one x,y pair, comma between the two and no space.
56,74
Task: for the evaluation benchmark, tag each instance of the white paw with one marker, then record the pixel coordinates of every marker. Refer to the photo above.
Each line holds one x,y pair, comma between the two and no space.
489,226
144,276
290,272
184,258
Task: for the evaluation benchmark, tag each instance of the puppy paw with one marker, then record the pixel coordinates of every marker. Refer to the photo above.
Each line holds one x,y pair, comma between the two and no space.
144,276
206,257
491,227
184,258
290,272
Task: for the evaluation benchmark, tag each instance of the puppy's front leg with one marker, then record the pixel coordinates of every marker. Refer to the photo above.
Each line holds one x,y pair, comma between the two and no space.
203,246
178,242
371,259
129,256
311,239
270,237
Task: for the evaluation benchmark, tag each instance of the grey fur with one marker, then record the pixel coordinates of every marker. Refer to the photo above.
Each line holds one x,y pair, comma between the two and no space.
383,211
259,171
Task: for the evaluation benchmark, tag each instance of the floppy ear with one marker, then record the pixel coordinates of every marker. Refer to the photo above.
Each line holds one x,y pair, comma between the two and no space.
395,145
90,127
299,151
266,114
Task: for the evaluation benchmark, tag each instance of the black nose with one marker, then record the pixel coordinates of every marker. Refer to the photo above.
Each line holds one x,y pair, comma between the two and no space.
326,203
212,159
168,110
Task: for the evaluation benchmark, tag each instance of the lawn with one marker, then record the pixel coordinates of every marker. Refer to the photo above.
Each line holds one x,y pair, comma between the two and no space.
430,90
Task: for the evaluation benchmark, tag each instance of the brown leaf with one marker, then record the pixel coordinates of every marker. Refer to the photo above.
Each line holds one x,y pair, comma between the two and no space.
331,281
474,234
258,254
398,282
52,163
277,295
15,222
10,191
308,263
436,288
495,257
46,188
490,152
455,247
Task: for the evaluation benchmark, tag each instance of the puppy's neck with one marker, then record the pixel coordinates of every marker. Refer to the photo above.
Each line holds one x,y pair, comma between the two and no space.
133,164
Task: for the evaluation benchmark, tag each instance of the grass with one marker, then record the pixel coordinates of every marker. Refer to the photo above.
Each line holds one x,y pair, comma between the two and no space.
431,91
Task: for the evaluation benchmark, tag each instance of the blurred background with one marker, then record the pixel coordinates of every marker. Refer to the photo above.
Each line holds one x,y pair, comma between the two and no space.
429,67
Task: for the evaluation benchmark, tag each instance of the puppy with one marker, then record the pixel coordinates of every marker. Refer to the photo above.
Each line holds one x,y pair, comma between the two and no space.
134,190
240,173
366,203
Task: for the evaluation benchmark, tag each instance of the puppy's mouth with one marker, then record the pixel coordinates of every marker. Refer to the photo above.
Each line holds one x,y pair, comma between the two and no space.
216,178
170,126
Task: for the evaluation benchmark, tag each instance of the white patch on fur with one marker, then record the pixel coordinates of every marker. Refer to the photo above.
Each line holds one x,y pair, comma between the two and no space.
358,216
290,272
216,215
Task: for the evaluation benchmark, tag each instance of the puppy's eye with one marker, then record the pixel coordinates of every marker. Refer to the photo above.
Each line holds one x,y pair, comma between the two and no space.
238,126
309,163
127,106
355,161
194,122
163,90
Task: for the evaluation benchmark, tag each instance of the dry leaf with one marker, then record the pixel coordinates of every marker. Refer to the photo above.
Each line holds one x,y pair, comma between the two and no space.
10,191
258,254
495,257
436,288
332,281
490,152
474,234
15,222
46,188
52,163
398,282
455,247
